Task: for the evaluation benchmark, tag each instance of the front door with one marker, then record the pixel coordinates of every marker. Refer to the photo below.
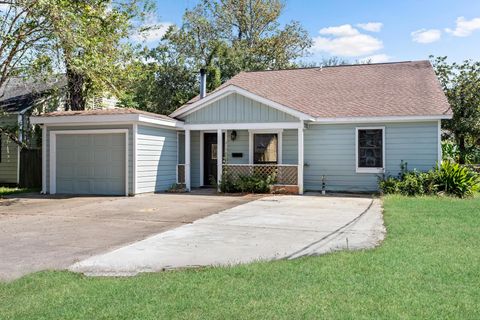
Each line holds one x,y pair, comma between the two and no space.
210,158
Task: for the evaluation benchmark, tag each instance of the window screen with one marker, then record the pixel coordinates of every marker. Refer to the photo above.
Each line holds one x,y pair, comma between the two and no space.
370,148
265,148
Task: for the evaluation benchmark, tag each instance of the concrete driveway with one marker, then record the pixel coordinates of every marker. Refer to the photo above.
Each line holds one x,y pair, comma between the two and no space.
39,232
276,227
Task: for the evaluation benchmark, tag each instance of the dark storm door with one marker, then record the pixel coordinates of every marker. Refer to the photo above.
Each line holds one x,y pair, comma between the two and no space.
210,157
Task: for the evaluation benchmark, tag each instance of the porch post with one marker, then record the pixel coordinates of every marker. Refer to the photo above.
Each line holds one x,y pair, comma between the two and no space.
300,158
219,157
187,159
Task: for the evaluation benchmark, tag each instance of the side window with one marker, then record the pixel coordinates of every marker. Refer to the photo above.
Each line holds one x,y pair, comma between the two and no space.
370,150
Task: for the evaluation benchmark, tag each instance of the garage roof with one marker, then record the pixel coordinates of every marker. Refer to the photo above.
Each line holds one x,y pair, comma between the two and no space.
104,116
113,111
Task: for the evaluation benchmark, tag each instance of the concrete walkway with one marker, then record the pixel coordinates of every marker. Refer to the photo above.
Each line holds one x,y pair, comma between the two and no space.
276,227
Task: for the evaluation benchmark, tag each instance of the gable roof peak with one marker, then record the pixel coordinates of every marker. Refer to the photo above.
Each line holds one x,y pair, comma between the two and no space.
406,88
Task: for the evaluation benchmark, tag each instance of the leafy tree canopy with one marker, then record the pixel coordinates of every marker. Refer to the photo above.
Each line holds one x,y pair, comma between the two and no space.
461,84
224,37
83,39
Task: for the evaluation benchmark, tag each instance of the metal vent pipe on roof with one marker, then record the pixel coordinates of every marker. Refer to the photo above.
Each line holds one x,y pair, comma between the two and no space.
203,83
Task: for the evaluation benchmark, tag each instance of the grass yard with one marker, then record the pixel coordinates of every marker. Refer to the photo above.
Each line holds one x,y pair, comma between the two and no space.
428,267
5,191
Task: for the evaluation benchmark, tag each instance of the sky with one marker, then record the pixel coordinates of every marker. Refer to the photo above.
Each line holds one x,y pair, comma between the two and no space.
374,30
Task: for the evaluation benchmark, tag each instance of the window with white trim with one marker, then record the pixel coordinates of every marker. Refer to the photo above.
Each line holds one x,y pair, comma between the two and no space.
265,148
370,151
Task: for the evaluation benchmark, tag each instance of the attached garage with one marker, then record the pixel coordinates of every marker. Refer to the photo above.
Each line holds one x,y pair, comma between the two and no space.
107,152
90,162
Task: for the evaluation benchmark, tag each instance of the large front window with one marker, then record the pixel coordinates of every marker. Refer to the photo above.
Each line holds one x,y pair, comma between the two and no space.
370,150
265,148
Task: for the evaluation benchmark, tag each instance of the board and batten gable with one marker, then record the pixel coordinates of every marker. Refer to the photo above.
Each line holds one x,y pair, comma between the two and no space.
156,158
330,152
9,152
236,108
91,127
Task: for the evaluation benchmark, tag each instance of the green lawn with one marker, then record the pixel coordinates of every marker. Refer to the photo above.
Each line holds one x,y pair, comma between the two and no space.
5,191
428,267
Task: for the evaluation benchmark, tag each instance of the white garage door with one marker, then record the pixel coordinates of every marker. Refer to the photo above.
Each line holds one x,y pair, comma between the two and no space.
90,163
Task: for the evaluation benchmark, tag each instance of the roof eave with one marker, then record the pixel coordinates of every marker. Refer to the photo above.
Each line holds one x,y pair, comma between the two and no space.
104,119
379,119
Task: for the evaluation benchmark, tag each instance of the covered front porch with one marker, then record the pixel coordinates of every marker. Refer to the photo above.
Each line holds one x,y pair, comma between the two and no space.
246,149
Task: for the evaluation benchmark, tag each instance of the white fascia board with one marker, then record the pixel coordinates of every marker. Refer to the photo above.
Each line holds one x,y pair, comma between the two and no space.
379,119
106,119
244,126
92,119
234,89
166,123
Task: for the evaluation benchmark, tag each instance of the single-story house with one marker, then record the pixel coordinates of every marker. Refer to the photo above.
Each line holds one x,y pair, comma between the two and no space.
332,128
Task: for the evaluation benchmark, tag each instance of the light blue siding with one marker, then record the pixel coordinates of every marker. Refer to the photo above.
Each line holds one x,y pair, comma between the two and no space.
93,127
236,108
330,151
290,146
156,159
240,145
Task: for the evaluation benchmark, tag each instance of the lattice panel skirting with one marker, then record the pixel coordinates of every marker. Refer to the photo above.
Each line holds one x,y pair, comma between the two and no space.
284,174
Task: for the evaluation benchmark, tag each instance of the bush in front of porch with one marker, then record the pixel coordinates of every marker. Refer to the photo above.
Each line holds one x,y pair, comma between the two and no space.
254,183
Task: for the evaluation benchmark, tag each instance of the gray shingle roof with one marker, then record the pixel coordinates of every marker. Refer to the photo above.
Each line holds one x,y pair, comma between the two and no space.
19,93
366,90
100,112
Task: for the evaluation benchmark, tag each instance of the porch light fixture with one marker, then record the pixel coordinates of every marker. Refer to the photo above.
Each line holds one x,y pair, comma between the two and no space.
233,135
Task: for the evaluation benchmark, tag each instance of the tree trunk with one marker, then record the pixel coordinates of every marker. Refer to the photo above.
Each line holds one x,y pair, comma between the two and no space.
76,98
462,148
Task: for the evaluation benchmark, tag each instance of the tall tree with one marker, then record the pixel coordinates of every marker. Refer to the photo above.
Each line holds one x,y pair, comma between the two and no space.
160,82
461,84
25,35
84,39
225,37
93,52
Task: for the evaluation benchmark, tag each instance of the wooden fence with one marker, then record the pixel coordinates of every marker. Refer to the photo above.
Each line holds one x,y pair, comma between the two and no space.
30,168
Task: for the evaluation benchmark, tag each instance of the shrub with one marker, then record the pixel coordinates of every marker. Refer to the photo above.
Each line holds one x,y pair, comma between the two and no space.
450,151
429,181
411,184
388,185
450,178
176,188
457,180
255,183
227,184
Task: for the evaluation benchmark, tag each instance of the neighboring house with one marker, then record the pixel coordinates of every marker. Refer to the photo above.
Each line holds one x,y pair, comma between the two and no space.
337,128
21,98
18,99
